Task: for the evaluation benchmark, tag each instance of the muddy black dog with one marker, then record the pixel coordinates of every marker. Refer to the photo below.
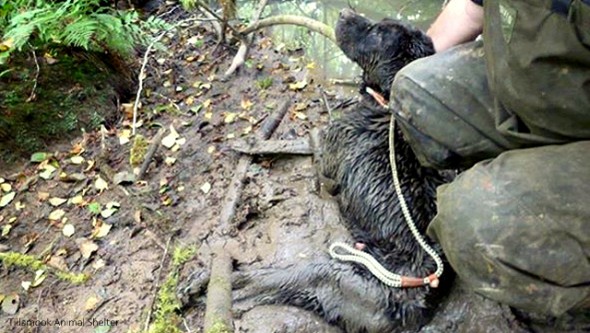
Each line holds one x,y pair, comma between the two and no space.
356,158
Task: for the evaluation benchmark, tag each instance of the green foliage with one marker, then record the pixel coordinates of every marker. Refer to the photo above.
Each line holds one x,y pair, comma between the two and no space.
72,23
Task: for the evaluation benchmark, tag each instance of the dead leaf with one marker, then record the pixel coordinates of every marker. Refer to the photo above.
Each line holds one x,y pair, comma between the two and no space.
42,196
19,206
48,172
100,184
300,115
78,200
77,160
206,187
230,117
124,136
137,216
91,303
170,140
6,199
86,247
6,187
40,276
246,104
25,285
68,230
102,230
58,262
56,214
10,304
170,161
57,201
298,85
98,264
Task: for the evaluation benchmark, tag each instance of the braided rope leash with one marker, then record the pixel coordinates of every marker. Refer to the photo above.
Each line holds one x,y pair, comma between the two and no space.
365,259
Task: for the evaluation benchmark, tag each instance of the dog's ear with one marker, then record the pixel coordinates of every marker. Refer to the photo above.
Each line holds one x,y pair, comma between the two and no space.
420,45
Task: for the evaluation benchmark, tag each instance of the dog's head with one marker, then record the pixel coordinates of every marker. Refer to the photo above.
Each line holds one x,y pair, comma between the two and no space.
381,49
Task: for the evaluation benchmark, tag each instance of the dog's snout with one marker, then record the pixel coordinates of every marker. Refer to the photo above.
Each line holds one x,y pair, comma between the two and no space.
346,13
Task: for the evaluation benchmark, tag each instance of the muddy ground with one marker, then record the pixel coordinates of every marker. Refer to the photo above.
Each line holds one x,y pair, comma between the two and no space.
282,216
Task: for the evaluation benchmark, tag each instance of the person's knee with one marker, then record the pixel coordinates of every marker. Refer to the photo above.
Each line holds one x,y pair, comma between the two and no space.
515,228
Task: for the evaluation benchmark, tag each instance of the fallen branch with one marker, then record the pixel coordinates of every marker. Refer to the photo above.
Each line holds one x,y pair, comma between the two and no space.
150,153
240,56
218,305
273,147
141,75
303,21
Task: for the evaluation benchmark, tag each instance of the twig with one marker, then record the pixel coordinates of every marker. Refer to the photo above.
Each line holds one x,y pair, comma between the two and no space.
150,153
240,56
33,95
218,305
141,74
303,21
345,82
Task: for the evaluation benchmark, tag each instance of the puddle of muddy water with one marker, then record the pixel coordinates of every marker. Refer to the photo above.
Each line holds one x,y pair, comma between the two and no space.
330,62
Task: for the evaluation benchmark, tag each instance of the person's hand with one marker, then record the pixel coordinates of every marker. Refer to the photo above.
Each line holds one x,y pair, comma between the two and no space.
459,22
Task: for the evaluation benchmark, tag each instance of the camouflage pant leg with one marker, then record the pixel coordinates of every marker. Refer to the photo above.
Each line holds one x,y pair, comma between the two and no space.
517,228
443,105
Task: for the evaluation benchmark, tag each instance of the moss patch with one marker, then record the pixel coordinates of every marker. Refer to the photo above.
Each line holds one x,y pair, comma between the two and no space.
71,95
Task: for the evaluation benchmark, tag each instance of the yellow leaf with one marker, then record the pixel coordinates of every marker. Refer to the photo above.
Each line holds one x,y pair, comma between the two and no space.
206,187
5,187
6,44
56,201
124,136
77,160
56,214
246,104
78,200
7,198
6,230
102,230
19,206
106,213
231,136
48,172
300,115
68,230
298,85
170,161
40,276
100,184
206,103
91,303
208,115
230,117
189,100
311,65
248,130
211,149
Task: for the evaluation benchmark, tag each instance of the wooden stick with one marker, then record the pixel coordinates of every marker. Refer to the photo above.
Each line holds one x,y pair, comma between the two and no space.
150,152
273,147
218,316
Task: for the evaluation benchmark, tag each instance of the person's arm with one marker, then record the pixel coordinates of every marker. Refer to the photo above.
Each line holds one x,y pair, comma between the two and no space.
460,21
